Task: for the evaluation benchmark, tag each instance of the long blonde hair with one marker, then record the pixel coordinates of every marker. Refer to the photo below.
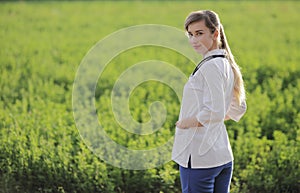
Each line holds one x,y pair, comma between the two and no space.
212,21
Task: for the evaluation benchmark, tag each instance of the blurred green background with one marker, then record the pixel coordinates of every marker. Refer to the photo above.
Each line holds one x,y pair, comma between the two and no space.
42,45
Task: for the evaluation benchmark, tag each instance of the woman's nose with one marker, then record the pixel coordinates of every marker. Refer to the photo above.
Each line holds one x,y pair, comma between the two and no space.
193,40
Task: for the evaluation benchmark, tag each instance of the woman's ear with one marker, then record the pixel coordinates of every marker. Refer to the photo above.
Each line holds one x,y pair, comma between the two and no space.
216,34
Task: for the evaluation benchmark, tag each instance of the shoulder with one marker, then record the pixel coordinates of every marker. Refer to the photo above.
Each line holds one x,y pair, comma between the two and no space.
213,66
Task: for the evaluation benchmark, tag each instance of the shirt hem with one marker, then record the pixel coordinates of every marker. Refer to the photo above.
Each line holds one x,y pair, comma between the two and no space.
203,166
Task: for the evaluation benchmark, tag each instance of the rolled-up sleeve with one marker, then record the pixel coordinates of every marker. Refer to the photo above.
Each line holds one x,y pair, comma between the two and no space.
236,111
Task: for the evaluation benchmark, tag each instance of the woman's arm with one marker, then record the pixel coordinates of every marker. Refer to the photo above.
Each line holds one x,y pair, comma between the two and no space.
236,111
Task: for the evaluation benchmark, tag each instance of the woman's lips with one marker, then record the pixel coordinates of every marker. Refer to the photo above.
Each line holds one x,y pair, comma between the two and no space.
196,47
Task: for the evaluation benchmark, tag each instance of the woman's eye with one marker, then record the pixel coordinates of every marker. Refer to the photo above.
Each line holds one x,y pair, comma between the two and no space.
198,34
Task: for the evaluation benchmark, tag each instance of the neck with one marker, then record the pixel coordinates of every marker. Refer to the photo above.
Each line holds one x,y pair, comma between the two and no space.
214,46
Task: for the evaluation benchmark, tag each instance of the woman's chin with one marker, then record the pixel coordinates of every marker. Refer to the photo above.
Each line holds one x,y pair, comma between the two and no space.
200,51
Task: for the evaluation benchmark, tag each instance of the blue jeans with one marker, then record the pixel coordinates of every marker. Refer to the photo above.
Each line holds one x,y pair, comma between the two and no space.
206,180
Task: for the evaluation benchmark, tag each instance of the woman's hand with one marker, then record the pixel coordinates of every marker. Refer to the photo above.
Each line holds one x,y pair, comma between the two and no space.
227,118
188,123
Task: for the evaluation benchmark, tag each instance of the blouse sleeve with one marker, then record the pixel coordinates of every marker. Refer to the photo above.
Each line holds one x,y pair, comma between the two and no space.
212,113
213,109
236,111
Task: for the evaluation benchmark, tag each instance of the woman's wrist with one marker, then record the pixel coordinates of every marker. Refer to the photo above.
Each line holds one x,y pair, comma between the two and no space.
188,123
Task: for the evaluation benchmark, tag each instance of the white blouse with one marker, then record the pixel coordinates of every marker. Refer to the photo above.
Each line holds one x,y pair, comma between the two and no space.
208,96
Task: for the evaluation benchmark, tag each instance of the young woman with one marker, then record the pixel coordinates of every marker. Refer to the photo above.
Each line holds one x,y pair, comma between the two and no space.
214,93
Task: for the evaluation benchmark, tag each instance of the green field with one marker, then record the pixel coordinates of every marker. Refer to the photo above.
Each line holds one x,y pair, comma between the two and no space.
42,46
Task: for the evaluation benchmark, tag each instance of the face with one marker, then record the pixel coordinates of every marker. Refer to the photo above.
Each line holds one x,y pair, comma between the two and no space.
201,38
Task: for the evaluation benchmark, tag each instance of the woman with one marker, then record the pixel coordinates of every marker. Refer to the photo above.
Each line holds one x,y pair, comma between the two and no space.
214,93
